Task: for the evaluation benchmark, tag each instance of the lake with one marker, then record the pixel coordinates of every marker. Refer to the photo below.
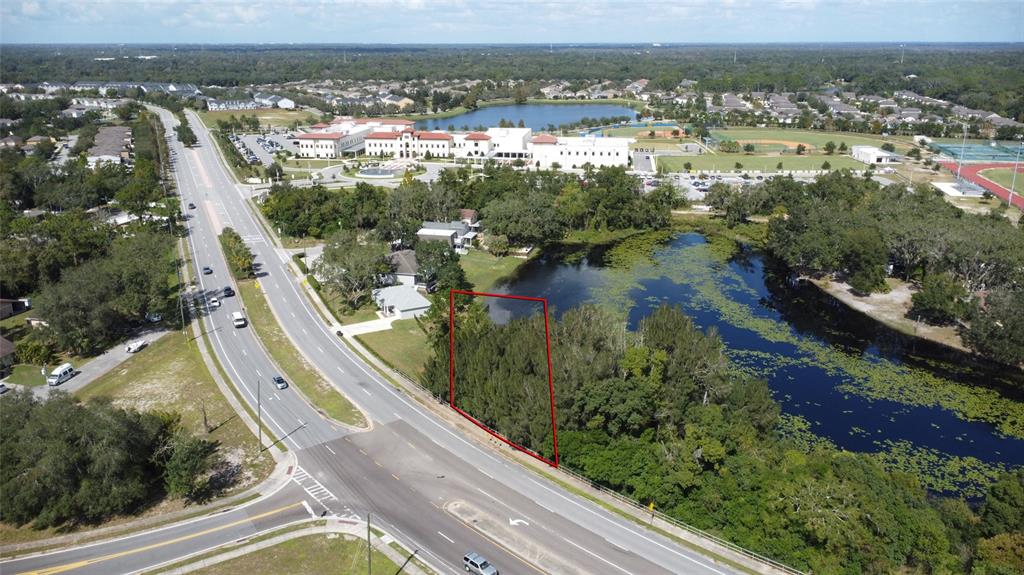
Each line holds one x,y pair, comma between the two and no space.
839,376
535,116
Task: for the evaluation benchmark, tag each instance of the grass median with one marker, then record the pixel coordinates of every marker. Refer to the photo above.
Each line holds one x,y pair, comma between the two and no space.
296,369
311,554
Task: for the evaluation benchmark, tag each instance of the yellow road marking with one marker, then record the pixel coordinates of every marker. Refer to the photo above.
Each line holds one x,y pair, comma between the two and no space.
85,562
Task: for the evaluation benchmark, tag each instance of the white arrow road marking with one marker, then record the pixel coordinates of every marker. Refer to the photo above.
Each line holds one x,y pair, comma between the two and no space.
517,522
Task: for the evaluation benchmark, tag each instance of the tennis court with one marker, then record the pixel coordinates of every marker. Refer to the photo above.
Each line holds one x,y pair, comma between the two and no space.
994,152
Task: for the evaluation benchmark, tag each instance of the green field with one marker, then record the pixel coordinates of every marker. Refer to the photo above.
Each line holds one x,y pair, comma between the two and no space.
484,270
309,555
727,162
268,118
1004,177
641,132
403,347
297,371
667,145
809,137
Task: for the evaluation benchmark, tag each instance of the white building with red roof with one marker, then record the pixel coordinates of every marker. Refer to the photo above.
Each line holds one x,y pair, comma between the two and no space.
574,152
410,143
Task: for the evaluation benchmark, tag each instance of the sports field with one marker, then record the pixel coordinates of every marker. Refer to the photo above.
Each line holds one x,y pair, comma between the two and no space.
1004,177
727,163
812,138
642,132
271,117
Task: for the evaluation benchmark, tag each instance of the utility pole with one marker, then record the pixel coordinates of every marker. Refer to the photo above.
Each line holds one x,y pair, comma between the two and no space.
369,549
1013,180
962,148
259,414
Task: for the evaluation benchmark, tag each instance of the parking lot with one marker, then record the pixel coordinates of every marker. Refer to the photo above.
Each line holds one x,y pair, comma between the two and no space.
262,148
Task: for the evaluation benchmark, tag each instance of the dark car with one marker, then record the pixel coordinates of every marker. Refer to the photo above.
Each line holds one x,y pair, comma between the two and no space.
228,292
280,383
191,206
207,270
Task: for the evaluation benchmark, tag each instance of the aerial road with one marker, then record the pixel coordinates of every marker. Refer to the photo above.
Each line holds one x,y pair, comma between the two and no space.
423,482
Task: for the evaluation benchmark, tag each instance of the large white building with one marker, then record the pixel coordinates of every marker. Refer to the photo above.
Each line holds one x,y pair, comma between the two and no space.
390,138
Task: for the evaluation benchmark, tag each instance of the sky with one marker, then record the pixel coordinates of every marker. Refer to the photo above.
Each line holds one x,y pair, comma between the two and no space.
509,21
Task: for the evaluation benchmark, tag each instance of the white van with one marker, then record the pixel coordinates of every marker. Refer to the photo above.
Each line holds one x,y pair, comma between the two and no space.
238,319
60,374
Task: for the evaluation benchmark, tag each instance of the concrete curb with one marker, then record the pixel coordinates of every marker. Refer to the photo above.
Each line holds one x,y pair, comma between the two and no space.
334,526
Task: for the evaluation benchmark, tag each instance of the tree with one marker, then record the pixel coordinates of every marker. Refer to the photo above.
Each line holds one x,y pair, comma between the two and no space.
997,328
190,458
275,171
842,147
687,166
865,257
238,255
914,153
729,146
186,136
826,166
830,147
748,148
497,245
1002,554
352,266
940,300
738,166
801,149
889,147
778,166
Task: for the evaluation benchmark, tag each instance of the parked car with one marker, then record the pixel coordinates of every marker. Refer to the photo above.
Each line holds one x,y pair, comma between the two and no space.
474,563
136,346
153,317
207,270
4,389
228,292
60,374
280,383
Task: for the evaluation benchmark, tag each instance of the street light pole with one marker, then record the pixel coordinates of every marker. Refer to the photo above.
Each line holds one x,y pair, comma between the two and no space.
962,148
369,549
259,413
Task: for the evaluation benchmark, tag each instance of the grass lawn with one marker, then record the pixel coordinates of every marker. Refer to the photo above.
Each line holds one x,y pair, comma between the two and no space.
296,370
403,347
484,270
1004,176
809,137
726,162
312,164
341,313
269,117
668,145
309,555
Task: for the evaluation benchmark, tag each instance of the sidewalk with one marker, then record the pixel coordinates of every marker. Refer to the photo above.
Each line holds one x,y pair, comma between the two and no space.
371,326
98,366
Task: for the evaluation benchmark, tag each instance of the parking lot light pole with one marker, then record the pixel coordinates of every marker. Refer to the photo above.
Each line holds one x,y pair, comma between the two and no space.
1016,166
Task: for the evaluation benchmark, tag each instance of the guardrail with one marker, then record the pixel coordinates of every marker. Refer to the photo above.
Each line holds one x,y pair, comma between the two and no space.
636,505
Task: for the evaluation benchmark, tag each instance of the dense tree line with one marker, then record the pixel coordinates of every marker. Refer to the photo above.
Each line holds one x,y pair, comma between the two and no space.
238,255
661,415
986,77
68,463
970,267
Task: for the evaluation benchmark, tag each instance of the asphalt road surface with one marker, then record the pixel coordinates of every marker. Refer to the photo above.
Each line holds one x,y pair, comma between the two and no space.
432,489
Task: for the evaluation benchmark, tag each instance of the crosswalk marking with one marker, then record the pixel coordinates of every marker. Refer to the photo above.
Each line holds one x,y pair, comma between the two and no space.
310,485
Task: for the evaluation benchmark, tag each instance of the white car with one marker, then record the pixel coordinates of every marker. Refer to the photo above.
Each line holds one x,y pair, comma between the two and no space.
136,346
214,302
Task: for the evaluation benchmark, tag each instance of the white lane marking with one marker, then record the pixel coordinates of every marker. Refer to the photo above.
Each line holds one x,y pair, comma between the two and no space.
341,370
276,395
446,538
308,508
304,331
320,348
331,450
623,527
596,556
243,352
293,314
258,372
366,391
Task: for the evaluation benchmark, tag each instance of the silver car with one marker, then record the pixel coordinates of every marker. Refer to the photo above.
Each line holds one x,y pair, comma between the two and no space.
474,563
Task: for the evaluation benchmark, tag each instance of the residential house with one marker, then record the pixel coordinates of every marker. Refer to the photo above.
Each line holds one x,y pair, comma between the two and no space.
400,301
401,102
273,101
457,234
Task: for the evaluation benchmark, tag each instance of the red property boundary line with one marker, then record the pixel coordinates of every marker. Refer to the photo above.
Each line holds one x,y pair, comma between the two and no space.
972,172
551,379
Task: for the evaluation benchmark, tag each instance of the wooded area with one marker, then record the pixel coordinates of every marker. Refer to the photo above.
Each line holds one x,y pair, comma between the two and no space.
969,266
661,415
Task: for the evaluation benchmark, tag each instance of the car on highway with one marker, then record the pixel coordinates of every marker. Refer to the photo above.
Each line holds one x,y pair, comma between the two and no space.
136,346
238,319
207,270
280,383
214,302
191,206
228,292
474,563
